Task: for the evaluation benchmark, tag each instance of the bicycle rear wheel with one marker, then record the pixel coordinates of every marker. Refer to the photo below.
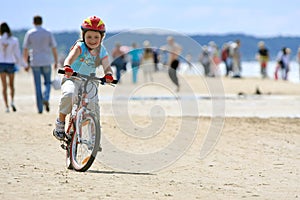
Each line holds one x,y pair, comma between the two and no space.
85,142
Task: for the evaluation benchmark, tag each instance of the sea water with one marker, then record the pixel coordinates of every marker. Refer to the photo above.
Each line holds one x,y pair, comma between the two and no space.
249,69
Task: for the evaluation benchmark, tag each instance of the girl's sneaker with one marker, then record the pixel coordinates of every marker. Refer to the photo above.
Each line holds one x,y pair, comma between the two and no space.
59,131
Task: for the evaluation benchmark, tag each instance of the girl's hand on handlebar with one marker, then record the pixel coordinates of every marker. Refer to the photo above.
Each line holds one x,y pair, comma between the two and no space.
68,71
108,78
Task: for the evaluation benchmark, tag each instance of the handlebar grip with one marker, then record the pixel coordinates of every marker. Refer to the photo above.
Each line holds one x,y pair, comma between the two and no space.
103,81
62,71
115,81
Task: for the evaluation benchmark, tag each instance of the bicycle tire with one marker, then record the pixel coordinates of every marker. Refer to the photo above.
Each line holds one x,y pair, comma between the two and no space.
84,152
68,145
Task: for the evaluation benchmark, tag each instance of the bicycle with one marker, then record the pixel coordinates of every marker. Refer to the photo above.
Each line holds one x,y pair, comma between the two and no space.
82,141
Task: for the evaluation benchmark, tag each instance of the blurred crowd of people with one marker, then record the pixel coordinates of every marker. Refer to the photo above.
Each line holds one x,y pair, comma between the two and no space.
211,56
147,58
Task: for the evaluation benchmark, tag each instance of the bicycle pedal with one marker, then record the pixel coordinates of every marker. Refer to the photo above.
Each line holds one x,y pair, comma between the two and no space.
63,146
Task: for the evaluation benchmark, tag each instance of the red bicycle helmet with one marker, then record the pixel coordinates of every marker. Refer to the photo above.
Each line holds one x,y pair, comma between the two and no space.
93,23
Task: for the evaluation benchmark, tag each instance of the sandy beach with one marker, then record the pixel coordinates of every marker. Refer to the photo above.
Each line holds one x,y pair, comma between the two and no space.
215,139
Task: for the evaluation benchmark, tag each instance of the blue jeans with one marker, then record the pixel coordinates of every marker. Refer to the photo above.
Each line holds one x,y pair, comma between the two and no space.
119,63
135,69
44,71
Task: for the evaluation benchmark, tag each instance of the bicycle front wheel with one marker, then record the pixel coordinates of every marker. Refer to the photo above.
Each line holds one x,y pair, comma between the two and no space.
70,133
85,142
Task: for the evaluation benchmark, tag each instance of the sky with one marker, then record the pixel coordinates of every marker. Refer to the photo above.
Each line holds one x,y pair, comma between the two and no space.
262,18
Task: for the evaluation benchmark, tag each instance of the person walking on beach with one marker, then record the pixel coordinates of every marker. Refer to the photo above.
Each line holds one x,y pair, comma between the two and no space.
283,63
204,59
147,62
119,60
214,58
135,55
226,58
156,59
174,50
39,43
236,59
10,56
84,57
263,57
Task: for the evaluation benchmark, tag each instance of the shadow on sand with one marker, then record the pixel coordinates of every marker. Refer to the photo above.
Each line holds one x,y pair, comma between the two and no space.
120,172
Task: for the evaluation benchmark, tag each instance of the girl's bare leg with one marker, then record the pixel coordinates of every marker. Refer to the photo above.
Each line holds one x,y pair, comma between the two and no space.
4,90
12,90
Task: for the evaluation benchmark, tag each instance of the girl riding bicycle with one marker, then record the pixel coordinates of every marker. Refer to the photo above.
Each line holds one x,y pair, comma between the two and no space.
85,55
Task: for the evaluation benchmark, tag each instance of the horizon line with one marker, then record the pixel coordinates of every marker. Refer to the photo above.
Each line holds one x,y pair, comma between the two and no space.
167,31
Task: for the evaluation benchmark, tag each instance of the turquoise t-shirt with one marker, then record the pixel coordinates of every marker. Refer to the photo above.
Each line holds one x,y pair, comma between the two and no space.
85,63
136,55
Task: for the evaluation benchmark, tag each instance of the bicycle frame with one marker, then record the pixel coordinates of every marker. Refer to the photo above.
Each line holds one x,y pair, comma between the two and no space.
90,140
78,108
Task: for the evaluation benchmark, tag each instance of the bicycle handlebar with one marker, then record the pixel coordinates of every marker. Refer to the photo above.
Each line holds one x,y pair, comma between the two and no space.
93,77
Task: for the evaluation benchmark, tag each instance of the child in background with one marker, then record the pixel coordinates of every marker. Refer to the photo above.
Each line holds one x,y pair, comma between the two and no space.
85,55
